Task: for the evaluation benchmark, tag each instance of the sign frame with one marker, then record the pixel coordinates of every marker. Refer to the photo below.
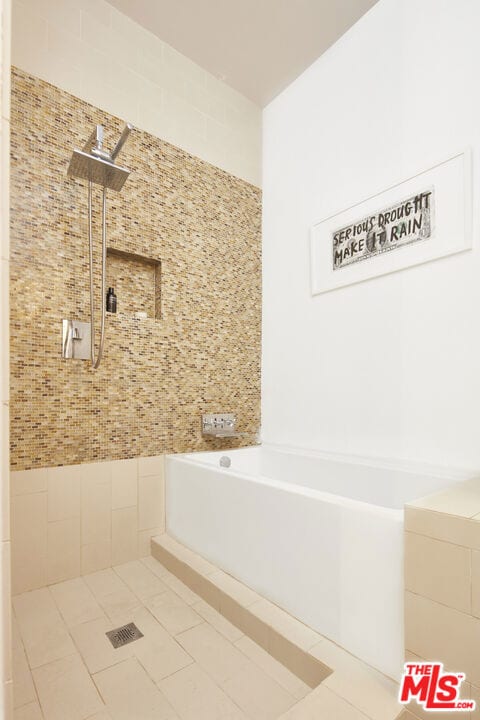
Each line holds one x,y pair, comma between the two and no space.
451,183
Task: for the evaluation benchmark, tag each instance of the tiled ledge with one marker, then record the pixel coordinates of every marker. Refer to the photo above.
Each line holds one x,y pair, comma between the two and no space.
442,585
286,639
335,675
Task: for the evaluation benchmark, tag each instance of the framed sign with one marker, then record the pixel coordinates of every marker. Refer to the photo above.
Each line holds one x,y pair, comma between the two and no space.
420,219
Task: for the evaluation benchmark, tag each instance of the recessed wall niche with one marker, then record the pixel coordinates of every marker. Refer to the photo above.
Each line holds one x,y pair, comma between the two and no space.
137,283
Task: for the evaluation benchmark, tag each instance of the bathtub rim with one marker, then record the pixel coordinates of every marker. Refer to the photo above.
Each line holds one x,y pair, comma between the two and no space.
395,514
455,474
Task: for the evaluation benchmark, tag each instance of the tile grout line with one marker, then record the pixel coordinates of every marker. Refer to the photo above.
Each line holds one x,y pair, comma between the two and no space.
28,664
441,604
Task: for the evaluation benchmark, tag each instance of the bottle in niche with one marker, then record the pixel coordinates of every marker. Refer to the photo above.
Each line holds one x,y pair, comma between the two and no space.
111,301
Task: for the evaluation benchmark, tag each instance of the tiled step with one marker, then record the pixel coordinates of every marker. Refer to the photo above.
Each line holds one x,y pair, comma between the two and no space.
306,653
281,635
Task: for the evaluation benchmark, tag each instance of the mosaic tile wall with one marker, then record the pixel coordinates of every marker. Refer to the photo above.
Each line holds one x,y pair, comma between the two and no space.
202,351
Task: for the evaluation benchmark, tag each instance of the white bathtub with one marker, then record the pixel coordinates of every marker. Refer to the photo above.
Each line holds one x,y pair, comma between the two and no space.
320,537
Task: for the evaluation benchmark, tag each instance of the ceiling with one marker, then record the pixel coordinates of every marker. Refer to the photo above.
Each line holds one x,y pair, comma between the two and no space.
256,46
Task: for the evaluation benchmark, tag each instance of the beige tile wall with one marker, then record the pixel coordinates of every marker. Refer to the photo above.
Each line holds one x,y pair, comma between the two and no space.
442,587
74,520
5,633
93,51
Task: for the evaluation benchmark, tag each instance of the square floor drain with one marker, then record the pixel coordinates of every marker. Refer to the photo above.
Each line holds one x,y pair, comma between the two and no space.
124,635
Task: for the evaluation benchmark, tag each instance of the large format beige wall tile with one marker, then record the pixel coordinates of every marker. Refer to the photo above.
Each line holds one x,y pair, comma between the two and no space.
64,492
96,508
462,500
124,535
476,583
63,550
24,482
475,695
441,633
96,556
29,542
90,497
124,483
153,465
5,529
82,49
144,538
443,526
151,502
438,570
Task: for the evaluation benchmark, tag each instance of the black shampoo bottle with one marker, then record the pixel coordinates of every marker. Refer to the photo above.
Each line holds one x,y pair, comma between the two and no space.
111,301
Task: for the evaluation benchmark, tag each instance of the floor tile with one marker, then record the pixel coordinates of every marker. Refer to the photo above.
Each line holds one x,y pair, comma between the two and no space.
28,712
278,672
195,696
260,697
76,602
140,579
213,652
66,690
180,588
323,704
111,593
362,686
157,651
173,613
23,688
95,648
218,621
130,694
251,689
43,631
156,567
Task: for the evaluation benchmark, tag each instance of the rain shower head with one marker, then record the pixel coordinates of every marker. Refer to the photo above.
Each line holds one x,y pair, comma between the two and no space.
102,172
93,163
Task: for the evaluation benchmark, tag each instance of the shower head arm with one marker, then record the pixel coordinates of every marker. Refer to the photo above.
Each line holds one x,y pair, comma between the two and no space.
121,141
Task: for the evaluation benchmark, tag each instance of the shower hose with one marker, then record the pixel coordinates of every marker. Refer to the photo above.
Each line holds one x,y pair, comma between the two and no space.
96,360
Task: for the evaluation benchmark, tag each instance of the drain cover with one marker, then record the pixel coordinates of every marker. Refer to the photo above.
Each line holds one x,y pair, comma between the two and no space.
124,635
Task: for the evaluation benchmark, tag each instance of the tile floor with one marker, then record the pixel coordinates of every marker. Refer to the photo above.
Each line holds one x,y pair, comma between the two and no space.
191,664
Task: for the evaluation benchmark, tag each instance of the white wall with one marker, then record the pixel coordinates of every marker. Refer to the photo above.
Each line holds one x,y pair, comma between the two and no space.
389,367
90,49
